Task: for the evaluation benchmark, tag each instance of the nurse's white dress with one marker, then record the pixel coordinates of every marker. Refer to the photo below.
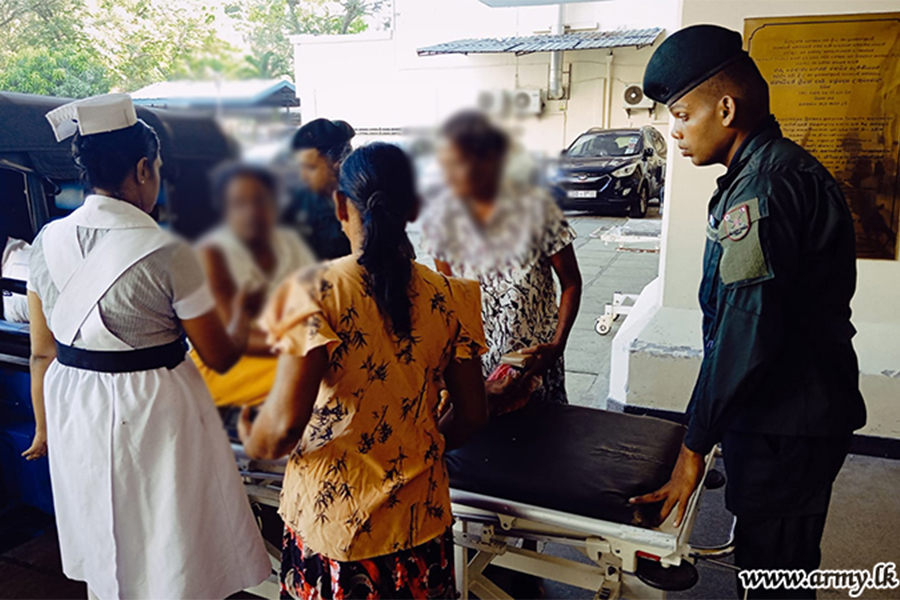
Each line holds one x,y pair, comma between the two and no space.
148,500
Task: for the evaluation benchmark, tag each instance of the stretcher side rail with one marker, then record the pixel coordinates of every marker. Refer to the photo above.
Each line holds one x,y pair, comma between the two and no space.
490,526
470,506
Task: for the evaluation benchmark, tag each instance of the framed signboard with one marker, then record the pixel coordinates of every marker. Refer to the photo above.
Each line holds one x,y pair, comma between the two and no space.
834,83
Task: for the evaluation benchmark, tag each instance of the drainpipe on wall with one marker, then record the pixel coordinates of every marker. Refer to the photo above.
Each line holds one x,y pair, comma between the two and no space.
607,93
555,87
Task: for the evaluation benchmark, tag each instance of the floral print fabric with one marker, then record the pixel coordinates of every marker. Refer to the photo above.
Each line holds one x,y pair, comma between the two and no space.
425,571
368,476
510,258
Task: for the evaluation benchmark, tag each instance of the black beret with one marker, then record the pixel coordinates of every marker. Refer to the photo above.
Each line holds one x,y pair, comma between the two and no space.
689,57
322,133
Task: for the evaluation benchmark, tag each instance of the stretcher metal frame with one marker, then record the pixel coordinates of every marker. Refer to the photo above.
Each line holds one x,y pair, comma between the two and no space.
487,531
262,482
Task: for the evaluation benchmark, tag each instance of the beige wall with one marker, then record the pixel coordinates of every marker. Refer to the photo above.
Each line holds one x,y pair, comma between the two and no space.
677,325
690,187
384,83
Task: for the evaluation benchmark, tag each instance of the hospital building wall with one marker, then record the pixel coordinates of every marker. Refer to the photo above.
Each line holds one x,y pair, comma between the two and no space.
656,358
381,82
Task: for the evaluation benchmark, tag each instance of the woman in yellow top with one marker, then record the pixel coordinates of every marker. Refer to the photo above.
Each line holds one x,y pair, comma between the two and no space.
247,251
366,342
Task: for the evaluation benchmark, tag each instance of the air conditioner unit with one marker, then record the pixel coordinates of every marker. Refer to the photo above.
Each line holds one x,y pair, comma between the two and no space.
634,98
527,102
494,102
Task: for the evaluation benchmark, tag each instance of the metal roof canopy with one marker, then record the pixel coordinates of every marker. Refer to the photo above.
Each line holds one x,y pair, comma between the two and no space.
583,40
241,94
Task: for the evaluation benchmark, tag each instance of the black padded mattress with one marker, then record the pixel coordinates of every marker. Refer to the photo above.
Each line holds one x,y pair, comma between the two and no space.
572,459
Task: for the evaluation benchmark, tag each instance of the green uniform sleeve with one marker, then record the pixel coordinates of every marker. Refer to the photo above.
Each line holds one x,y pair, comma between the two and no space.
760,245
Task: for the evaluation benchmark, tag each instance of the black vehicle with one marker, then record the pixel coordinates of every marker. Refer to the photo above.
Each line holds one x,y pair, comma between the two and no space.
38,183
611,168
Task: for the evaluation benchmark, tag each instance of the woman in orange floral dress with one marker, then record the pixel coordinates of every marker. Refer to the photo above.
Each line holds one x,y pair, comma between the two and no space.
366,343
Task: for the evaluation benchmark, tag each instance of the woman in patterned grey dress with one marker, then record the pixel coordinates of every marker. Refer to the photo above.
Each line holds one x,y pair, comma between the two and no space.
512,238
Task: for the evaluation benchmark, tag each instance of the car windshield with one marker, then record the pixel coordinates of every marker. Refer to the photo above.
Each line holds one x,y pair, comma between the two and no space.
596,145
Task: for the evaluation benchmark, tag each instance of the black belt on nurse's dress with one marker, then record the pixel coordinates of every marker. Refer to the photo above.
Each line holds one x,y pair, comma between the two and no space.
123,361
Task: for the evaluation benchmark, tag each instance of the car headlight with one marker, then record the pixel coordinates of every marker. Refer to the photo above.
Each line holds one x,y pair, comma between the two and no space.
551,173
625,171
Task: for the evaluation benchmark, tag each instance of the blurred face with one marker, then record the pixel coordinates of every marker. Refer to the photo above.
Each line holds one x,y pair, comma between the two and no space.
249,209
701,127
316,171
467,177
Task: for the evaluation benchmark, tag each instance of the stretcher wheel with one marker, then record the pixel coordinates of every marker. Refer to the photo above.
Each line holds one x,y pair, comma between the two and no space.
670,579
602,326
714,480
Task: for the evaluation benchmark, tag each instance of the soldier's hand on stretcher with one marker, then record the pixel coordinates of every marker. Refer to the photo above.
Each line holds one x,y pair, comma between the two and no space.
684,480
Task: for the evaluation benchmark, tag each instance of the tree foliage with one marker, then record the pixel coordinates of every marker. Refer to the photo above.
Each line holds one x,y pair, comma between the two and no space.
154,40
77,48
43,50
267,25
67,71
27,24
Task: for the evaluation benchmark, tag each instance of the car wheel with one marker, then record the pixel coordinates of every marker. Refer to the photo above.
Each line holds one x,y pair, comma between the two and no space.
639,208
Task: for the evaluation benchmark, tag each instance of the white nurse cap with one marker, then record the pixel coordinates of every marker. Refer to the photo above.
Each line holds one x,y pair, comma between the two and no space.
98,114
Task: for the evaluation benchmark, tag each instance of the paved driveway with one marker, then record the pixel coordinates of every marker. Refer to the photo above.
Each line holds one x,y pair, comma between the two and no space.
605,269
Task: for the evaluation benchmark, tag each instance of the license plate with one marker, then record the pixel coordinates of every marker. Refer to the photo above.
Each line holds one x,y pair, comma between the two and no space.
582,193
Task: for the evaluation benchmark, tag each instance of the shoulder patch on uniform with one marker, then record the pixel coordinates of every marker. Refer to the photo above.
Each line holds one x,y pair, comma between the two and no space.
743,259
737,222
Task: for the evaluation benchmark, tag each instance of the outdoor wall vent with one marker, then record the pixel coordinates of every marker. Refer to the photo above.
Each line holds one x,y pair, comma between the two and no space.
493,102
527,102
634,98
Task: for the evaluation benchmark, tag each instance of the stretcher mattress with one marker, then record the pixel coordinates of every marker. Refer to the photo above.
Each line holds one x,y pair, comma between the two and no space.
572,459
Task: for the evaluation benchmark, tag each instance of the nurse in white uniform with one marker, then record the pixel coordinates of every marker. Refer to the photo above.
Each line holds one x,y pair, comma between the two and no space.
148,501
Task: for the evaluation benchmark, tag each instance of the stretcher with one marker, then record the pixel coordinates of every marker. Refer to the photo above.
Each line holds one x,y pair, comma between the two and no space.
560,475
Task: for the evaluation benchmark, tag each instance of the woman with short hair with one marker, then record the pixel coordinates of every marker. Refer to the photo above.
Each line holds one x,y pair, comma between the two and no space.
248,250
319,147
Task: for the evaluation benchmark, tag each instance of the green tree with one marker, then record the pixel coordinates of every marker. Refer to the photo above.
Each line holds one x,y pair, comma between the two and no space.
152,40
354,13
267,66
268,24
63,47
265,28
118,44
43,50
32,23
67,71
